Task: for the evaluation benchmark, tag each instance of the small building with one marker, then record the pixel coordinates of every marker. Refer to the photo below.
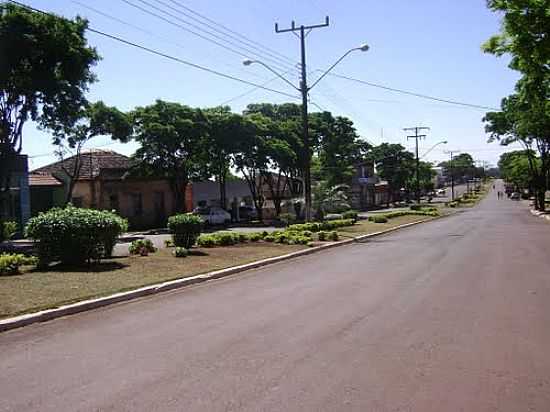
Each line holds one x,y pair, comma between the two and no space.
368,191
45,192
15,195
104,183
439,178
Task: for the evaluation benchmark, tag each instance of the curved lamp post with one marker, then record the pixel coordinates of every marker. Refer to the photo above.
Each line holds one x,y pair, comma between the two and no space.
304,89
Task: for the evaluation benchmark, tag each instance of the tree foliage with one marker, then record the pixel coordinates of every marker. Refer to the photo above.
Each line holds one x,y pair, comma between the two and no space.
172,138
45,71
525,115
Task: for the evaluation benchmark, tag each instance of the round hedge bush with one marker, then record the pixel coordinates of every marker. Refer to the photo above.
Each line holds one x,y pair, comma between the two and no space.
73,235
185,229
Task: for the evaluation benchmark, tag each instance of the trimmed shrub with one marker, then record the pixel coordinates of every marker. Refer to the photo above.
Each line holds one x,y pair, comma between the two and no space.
317,226
185,229
244,237
333,235
322,235
7,230
180,252
206,241
378,219
351,214
10,263
287,218
75,235
142,247
255,236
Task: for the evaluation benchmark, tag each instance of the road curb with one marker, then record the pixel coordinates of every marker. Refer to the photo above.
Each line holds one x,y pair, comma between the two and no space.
82,306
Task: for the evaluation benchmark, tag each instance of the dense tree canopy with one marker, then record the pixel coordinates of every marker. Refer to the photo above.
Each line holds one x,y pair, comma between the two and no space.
173,144
45,71
525,115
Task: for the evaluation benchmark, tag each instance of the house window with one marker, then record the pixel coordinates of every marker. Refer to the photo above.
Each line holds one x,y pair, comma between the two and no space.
113,202
137,204
76,201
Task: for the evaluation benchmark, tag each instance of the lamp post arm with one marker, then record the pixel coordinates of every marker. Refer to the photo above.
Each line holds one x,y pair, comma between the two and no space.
280,76
330,68
432,148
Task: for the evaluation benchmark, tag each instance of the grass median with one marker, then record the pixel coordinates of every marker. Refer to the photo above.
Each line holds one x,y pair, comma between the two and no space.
36,290
365,227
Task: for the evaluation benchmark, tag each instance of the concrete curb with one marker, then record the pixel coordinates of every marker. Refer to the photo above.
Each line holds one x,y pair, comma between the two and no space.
539,214
82,306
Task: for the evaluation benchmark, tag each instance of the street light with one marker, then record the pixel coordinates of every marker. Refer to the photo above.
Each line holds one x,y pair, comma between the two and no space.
432,148
304,90
452,152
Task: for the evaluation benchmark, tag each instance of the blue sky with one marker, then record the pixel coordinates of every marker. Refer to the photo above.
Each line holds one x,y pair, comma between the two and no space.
427,46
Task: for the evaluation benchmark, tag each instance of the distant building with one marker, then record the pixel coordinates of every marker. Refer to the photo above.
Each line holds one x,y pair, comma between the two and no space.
439,179
15,198
104,182
368,191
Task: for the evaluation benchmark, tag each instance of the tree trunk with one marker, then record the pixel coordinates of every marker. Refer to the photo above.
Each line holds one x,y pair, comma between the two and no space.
222,187
179,188
540,202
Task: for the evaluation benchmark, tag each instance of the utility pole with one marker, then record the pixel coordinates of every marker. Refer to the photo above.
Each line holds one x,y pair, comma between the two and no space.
417,136
451,152
304,31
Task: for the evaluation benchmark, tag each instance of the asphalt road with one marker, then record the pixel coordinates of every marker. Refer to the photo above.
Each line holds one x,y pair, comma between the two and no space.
451,315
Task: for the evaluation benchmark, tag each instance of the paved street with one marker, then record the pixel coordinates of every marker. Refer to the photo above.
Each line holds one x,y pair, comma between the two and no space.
450,315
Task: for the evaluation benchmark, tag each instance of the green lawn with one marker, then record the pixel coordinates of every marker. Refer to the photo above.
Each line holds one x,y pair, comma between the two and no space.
37,290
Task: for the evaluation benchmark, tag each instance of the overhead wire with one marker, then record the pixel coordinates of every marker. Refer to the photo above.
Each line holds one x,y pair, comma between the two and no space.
157,36
165,55
224,31
234,48
180,4
410,93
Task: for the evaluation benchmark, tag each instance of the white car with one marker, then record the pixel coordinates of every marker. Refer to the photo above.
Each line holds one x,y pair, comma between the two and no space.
441,192
213,215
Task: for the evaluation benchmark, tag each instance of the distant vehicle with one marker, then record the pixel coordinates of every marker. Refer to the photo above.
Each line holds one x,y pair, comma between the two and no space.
441,192
515,196
247,213
213,215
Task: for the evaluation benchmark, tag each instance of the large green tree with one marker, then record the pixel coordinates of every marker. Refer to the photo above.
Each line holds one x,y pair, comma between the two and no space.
394,164
251,157
516,168
173,141
45,70
525,115
461,168
224,131
339,147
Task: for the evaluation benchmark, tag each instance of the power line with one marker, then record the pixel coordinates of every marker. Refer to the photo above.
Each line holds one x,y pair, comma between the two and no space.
423,96
262,49
230,30
166,56
154,35
202,36
250,90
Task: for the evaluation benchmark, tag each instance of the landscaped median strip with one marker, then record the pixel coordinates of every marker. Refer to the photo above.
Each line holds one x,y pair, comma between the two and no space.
70,309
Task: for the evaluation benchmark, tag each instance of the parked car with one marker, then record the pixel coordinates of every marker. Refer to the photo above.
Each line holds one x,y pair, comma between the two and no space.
441,192
247,213
213,215
515,196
